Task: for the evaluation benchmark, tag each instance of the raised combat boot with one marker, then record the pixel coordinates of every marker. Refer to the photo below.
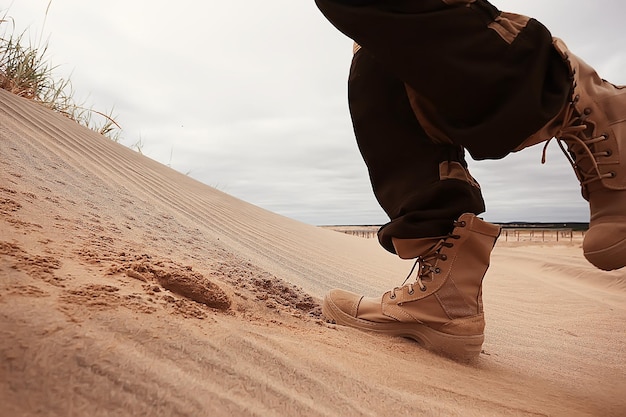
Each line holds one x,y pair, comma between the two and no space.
442,309
593,127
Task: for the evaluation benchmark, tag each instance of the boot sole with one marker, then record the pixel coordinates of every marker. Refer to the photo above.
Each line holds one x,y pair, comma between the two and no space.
608,259
461,348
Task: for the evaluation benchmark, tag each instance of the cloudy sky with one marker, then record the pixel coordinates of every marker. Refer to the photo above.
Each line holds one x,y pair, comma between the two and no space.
250,97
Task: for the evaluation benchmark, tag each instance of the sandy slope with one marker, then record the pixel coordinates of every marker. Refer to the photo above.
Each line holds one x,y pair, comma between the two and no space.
102,252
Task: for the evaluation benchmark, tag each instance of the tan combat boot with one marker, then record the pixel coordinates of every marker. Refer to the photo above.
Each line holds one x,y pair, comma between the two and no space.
443,308
593,127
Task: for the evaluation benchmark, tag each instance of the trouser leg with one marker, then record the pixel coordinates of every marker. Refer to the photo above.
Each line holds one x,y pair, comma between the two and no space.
476,77
422,186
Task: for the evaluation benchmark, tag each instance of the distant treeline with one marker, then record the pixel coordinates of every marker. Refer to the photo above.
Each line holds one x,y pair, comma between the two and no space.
525,225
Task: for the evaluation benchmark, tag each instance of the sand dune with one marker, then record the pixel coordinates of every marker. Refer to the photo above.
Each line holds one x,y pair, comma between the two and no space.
127,288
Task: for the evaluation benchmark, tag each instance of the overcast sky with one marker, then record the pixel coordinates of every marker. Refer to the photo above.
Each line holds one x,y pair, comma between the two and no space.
250,97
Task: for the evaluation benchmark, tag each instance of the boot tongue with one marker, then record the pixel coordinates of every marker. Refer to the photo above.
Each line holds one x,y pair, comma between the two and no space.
582,142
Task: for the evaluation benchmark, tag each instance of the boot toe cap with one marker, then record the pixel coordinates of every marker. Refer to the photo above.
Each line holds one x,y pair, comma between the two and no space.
340,300
605,245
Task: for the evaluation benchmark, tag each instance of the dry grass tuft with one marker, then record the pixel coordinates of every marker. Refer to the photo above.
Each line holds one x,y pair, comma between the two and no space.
25,71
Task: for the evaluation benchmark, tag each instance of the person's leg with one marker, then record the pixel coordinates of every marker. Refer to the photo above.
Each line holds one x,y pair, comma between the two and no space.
432,202
422,186
490,82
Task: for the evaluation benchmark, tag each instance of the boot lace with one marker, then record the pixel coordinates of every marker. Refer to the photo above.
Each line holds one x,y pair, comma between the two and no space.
428,267
580,147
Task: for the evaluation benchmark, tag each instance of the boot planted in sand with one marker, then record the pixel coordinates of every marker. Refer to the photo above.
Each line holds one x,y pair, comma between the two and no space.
442,309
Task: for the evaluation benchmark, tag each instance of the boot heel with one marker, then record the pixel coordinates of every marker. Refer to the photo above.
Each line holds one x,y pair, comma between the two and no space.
459,348
466,351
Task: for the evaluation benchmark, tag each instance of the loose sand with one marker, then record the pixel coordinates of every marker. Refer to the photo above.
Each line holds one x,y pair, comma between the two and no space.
127,288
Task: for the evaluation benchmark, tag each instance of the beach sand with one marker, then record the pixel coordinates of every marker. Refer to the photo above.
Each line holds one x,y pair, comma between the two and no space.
127,288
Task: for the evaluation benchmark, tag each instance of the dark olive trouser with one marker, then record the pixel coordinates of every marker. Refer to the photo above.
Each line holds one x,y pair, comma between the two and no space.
431,79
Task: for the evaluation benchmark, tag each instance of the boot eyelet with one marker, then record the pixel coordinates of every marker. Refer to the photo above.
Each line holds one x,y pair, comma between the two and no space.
411,292
587,111
613,174
443,257
437,270
392,297
608,153
423,289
